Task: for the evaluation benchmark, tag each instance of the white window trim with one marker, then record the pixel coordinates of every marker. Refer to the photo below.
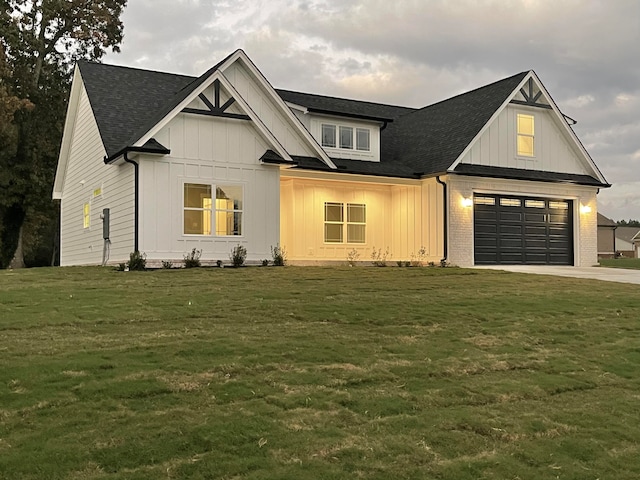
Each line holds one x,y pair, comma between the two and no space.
338,131
534,136
213,185
344,223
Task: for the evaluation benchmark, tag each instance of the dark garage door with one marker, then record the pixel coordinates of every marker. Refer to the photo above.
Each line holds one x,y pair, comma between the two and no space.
522,230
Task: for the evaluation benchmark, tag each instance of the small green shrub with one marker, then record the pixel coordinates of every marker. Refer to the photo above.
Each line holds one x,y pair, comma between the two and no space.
192,260
379,258
219,264
279,255
238,255
137,261
167,264
265,263
121,267
352,257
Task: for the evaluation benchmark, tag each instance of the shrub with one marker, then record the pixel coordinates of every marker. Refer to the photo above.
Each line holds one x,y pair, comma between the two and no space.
418,260
121,267
192,260
279,255
238,255
137,261
167,264
219,264
265,263
379,258
352,257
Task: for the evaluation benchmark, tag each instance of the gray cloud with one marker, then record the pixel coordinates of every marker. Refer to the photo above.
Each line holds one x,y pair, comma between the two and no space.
415,52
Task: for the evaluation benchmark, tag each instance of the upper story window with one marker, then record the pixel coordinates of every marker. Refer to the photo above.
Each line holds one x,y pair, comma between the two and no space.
348,137
525,135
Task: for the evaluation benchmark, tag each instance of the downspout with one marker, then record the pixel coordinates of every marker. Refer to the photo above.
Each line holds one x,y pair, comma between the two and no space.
446,226
136,200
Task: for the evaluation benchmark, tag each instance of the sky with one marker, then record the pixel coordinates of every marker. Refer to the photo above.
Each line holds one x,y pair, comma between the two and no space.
417,52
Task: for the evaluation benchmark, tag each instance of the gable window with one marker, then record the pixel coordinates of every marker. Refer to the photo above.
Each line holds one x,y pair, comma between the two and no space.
336,229
348,138
525,136
203,217
86,215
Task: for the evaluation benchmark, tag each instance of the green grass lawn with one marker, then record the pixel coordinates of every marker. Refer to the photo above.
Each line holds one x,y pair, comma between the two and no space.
620,262
317,373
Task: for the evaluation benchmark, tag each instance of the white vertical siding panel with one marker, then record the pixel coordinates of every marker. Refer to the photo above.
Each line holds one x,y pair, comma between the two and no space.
553,152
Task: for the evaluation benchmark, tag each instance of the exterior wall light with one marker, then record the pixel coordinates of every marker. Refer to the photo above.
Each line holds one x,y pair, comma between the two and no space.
467,202
585,209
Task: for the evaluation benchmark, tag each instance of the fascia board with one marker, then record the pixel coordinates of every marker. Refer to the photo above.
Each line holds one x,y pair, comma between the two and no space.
262,128
491,120
264,83
567,129
217,75
564,125
176,110
69,127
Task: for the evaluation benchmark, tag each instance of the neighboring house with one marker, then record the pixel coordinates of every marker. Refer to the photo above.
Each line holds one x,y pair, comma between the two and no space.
636,244
606,237
625,241
167,163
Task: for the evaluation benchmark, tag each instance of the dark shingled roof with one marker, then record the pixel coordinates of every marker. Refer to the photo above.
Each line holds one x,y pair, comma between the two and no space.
125,99
128,102
522,174
429,140
344,105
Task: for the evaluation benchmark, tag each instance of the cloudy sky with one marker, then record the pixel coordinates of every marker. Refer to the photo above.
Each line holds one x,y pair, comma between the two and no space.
416,52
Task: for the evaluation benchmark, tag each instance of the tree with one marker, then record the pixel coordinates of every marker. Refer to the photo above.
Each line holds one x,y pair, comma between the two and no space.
42,40
628,223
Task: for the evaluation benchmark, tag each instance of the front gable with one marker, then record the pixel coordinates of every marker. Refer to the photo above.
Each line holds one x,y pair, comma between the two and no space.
529,132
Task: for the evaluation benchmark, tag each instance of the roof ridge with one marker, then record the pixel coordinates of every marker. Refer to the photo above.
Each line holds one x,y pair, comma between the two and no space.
468,92
138,69
345,98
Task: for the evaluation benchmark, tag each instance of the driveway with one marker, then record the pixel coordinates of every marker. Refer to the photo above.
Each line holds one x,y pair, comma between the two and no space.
620,275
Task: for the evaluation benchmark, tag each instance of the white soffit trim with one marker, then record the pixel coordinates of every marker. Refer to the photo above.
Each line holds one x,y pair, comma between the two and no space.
264,83
554,107
69,127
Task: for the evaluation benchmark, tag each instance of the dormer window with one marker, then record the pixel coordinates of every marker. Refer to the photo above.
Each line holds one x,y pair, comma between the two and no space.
347,137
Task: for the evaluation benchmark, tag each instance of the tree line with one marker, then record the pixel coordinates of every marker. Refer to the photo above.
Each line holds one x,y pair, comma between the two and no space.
40,42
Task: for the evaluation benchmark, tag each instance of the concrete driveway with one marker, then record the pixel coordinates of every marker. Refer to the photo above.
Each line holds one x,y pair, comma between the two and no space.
620,275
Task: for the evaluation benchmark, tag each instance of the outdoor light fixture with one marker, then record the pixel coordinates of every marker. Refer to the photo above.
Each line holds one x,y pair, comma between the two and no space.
467,202
585,209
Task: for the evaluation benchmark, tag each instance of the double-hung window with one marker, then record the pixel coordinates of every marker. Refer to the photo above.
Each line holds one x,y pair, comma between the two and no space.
525,137
344,221
204,217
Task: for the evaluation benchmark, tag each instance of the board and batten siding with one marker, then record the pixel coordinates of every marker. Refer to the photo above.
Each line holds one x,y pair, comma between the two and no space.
402,218
271,115
208,150
85,173
496,147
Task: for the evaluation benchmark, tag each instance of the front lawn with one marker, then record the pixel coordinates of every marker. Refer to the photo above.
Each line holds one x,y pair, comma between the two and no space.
317,373
620,262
